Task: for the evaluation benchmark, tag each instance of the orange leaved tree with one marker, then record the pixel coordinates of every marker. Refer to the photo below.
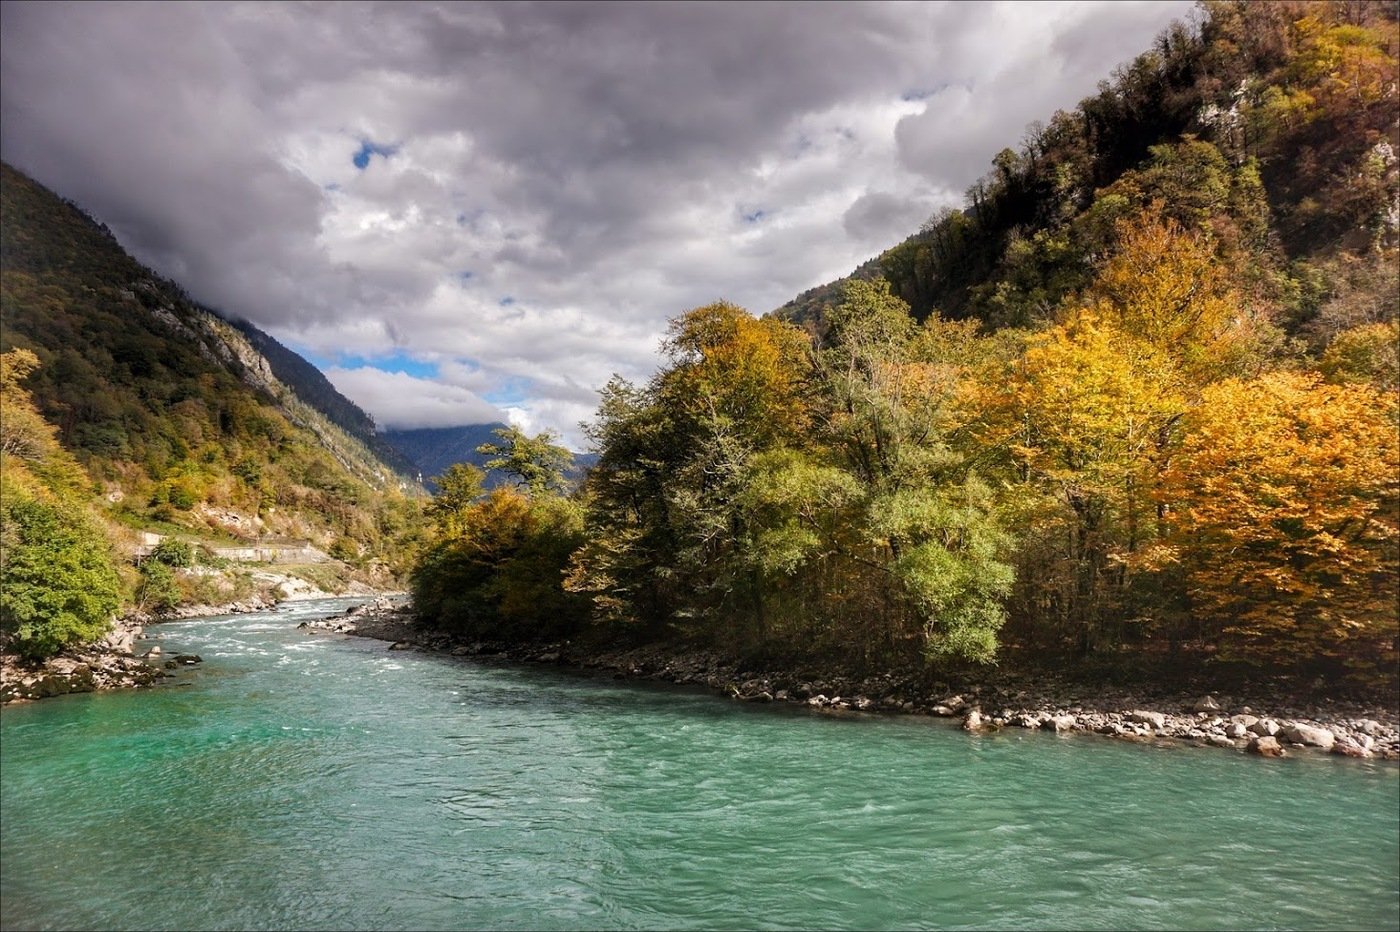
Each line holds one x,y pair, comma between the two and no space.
1283,498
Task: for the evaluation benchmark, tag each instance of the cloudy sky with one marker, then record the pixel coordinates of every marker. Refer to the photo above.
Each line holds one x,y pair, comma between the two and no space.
480,211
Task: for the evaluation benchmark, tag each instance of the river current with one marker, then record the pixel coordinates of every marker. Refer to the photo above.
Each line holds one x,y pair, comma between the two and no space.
294,781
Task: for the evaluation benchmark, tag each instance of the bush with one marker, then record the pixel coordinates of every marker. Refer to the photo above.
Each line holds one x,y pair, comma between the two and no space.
59,587
158,592
173,552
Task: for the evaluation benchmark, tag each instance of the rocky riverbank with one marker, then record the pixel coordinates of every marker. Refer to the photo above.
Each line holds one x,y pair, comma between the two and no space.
111,663
1266,724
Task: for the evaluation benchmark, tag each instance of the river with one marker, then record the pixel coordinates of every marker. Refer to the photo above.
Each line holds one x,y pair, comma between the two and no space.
316,782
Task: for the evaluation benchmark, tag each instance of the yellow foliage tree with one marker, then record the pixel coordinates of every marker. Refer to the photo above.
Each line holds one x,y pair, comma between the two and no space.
1166,289
1086,415
1283,495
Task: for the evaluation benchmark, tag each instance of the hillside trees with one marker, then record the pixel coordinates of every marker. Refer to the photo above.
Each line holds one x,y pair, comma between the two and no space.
1284,500
58,584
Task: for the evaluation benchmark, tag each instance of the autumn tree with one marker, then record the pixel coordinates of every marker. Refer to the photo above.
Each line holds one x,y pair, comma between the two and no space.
1283,498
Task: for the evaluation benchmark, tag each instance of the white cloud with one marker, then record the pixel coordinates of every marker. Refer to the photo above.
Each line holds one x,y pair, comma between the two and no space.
402,400
562,178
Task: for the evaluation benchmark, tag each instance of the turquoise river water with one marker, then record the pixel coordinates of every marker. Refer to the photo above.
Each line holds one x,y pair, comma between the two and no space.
319,782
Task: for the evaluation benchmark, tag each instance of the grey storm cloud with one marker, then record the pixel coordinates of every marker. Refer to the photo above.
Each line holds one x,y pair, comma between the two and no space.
526,191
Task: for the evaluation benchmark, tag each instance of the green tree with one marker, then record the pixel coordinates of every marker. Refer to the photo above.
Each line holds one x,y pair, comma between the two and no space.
537,463
58,587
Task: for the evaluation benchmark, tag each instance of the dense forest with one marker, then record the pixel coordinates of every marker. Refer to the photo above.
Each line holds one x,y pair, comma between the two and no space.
1137,400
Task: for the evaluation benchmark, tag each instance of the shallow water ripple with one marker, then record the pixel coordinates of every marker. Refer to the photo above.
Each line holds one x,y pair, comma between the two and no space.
294,781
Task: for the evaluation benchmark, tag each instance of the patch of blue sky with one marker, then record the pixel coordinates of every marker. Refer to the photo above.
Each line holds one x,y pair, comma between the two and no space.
754,216
924,93
511,392
506,301
397,361
370,149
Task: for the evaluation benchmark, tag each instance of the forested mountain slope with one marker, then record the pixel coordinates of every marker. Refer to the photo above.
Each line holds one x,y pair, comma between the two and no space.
1271,126
179,417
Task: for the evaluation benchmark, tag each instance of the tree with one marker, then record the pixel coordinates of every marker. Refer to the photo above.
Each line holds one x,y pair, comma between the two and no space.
926,526
1283,500
58,587
457,489
537,463
1086,418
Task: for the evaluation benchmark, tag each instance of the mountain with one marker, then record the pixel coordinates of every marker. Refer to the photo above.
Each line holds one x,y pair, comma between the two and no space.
1269,127
183,420
433,449
312,387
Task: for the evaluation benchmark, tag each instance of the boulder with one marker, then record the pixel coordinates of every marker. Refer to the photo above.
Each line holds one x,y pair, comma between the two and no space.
120,642
973,721
1060,723
1205,704
1235,730
1264,728
1155,719
400,645
1244,719
1349,748
1266,746
1299,733
1220,741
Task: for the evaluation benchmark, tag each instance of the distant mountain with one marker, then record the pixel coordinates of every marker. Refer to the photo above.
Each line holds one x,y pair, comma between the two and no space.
433,449
179,416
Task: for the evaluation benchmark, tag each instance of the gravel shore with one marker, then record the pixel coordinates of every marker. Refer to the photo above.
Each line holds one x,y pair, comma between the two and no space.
1264,724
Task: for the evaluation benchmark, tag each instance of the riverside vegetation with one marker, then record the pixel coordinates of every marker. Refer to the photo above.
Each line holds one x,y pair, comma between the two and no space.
1130,415
143,437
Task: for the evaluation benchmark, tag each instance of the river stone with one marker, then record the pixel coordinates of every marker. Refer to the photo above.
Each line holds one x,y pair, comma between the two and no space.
1349,748
973,721
1244,719
1265,728
1370,727
1220,741
1266,746
1206,704
1060,723
1307,734
120,642
1236,730
1155,719
943,710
